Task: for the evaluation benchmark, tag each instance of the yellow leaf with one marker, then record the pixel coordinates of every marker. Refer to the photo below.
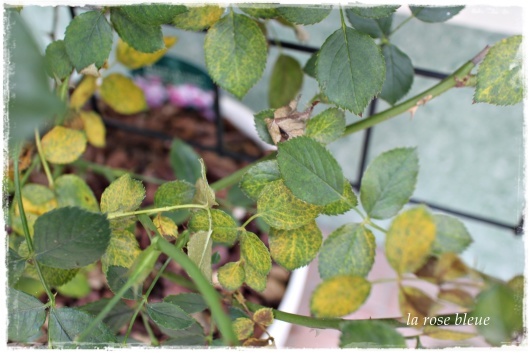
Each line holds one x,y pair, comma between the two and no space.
62,145
231,275
37,199
243,327
122,251
254,279
409,240
415,304
451,335
198,18
166,226
339,296
94,128
134,59
263,316
122,95
84,90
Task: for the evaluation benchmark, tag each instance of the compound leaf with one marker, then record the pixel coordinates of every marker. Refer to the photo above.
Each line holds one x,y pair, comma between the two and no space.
173,193
255,253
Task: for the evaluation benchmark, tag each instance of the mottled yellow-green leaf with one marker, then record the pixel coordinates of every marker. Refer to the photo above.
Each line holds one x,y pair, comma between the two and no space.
347,201
232,275
37,199
327,126
94,128
295,248
254,279
409,240
457,296
178,192
122,195
255,179
348,250
255,253
517,285
235,51
166,226
122,95
415,303
198,17
224,227
71,190
53,276
84,90
339,296
444,334
243,327
134,59
200,252
500,75
282,210
122,251
263,316
62,145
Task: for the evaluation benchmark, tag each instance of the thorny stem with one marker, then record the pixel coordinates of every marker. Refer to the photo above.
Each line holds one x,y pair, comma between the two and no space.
43,160
25,227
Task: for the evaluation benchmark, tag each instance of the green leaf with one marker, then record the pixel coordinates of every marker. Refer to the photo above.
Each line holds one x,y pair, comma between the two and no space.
224,227
123,250
389,182
122,195
153,14
285,81
88,40
303,161
350,69
236,53
310,67
204,194
231,276
258,176
58,63
254,279
70,237
122,94
237,197
280,209
399,74
169,316
432,14
499,304
71,190
409,240
142,37
500,75
295,248
374,11
63,145
261,125
189,302
200,252
173,193
15,267
243,327
339,296
370,334
347,201
119,315
56,276
327,126
192,336
184,161
116,278
78,287
255,253
375,28
65,324
25,316
349,250
258,10
31,102
198,18
306,15
451,235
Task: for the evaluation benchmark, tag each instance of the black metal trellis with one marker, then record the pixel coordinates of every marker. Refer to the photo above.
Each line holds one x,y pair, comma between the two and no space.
219,147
